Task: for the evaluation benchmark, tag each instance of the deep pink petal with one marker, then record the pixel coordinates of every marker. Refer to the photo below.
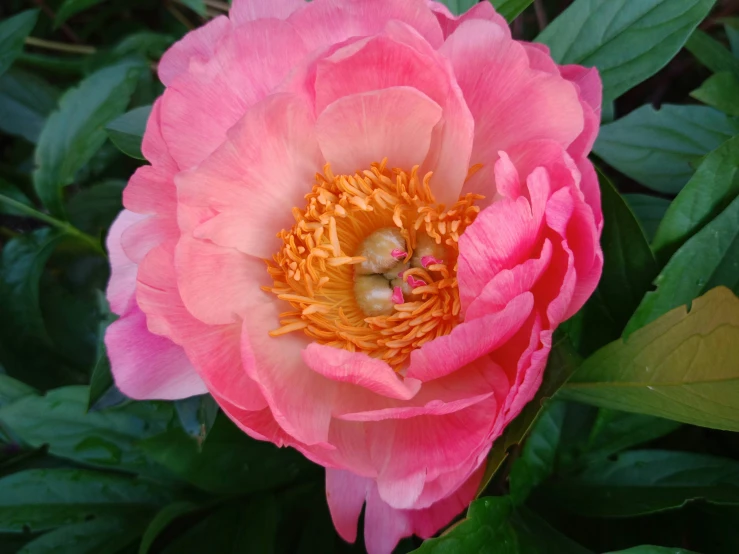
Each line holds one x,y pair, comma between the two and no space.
252,182
394,123
146,366
346,493
198,45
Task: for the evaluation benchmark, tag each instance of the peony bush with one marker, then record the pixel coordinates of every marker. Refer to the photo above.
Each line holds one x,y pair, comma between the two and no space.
364,288
418,185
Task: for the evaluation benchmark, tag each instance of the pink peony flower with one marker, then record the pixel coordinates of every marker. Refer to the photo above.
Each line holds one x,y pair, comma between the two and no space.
419,188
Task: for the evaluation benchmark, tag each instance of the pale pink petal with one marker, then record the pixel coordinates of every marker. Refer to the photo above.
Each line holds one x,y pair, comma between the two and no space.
151,191
146,366
122,283
251,10
346,493
394,123
357,368
433,408
214,281
252,182
540,58
214,349
146,234
201,105
469,340
329,22
384,526
482,10
199,45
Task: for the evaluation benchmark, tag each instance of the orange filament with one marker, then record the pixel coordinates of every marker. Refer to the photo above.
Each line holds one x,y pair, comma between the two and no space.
314,270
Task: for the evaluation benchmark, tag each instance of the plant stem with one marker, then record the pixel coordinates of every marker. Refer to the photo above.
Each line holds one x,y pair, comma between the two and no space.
223,6
68,228
60,46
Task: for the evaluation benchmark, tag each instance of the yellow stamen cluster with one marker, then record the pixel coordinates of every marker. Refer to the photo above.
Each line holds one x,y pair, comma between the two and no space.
314,269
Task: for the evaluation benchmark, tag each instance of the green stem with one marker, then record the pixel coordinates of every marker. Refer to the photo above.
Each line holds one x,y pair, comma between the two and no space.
68,228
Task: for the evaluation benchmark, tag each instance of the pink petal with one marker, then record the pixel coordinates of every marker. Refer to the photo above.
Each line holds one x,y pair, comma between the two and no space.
146,366
215,350
201,105
433,408
328,22
357,130
357,368
146,234
482,10
469,340
198,45
256,177
384,526
346,493
251,10
122,283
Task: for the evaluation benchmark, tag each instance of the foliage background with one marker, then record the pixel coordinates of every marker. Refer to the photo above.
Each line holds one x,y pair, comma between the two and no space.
637,448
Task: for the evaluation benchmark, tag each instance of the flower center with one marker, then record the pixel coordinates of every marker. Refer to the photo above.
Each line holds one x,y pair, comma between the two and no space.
371,263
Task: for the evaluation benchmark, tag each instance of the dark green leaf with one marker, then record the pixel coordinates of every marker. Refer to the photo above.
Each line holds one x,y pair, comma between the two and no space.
510,9
627,41
230,462
13,31
127,131
14,193
720,91
106,439
12,390
712,53
75,132
160,522
681,366
197,415
714,185
94,209
539,453
493,527
101,380
198,6
707,260
649,210
731,26
244,525
629,265
648,549
646,481
40,499
562,362
105,535
71,7
25,102
657,148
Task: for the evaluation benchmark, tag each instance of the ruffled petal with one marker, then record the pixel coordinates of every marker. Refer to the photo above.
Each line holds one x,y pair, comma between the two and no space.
251,10
122,283
481,10
346,493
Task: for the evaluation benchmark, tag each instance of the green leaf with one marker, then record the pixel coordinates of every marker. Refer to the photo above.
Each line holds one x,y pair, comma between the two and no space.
245,525
629,265
658,148
161,521
649,210
712,53
198,6
493,527
562,362
627,41
681,366
229,462
720,91
106,439
75,132
40,499
94,209
101,380
13,389
539,452
14,193
731,26
127,131
510,9
707,260
648,549
642,482
25,102
13,32
197,415
71,7
714,185
105,535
